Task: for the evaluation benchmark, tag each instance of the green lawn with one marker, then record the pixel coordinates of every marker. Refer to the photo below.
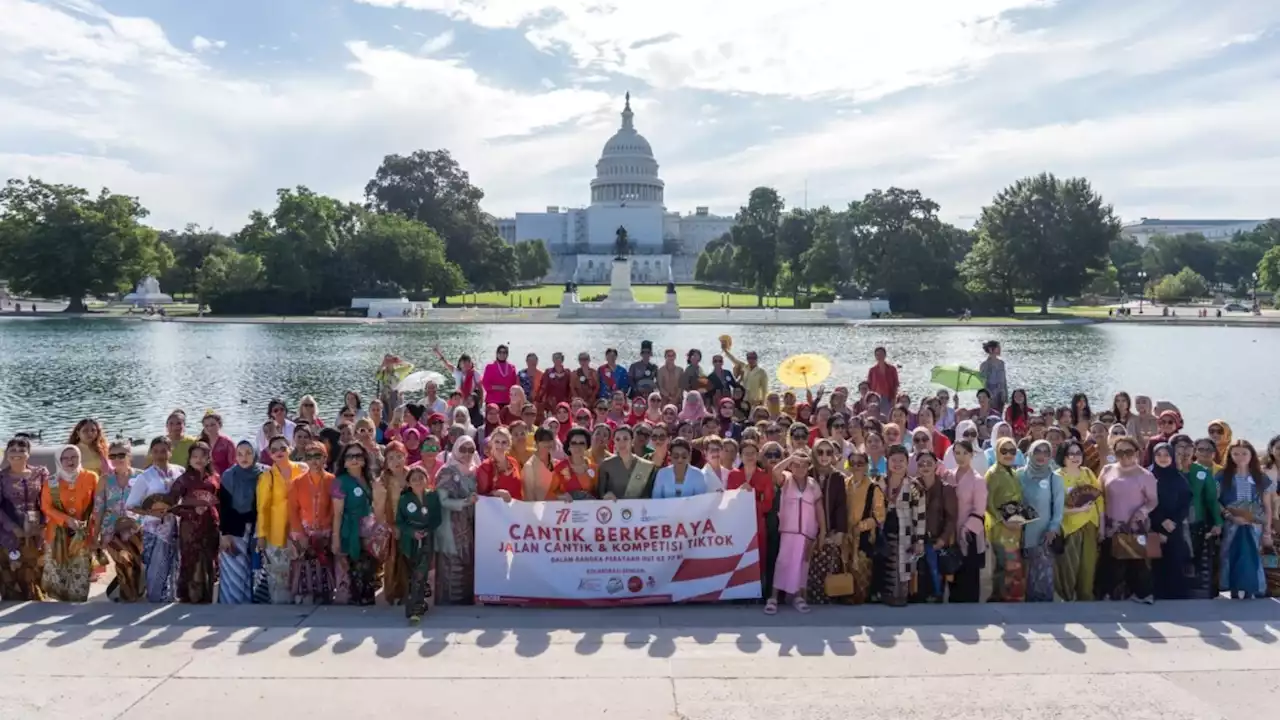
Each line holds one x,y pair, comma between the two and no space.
551,295
1090,311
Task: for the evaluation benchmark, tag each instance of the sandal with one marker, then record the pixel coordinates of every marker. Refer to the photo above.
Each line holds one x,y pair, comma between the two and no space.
771,607
800,605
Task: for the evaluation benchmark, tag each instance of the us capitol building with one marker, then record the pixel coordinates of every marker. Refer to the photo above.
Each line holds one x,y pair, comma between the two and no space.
626,193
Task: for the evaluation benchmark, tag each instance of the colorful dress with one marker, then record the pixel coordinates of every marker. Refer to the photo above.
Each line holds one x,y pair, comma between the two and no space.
1205,515
22,567
455,538
1242,572
274,486
866,517
237,515
418,514
357,524
395,570
1075,570
1042,490
1008,580
311,573
121,537
904,527
159,534
797,527
828,556
194,499
68,558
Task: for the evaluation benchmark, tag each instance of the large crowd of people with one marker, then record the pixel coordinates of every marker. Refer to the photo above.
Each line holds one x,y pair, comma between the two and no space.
861,496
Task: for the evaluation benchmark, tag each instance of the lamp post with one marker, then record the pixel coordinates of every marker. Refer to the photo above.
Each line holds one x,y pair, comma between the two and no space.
1255,291
1142,289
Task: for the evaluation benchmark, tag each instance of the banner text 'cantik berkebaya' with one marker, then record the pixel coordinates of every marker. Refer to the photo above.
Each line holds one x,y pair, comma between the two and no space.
650,538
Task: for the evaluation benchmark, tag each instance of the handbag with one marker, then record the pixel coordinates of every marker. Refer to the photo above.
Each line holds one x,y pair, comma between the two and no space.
1136,546
838,584
879,547
949,560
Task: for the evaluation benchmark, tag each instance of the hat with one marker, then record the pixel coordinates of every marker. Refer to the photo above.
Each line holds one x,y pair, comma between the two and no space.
646,345
435,417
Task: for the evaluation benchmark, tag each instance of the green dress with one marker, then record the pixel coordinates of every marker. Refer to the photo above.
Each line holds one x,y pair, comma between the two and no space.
361,581
1008,582
418,513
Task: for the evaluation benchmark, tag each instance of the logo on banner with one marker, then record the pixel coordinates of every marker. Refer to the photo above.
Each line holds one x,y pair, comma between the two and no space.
562,516
626,514
615,586
604,515
635,584
589,584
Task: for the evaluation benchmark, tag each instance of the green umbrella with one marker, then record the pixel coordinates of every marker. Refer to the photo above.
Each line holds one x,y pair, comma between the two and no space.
958,377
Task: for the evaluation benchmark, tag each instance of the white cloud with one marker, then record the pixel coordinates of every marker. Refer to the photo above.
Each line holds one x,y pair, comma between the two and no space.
436,44
98,99
200,43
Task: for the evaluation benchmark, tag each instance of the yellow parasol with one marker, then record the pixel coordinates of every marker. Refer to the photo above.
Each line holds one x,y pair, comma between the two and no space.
726,342
804,371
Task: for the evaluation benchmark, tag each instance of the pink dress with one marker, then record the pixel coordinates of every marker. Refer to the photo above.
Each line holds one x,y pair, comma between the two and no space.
797,523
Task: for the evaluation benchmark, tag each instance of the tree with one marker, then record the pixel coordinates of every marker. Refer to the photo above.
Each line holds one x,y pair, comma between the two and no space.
1187,284
431,187
1167,254
755,239
227,272
1103,282
795,236
401,255
1269,270
1053,231
191,248
700,266
533,260
1126,257
58,241
893,242
988,275
820,264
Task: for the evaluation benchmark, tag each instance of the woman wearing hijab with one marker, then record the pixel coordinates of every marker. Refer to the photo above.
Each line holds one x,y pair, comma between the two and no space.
1169,520
1220,434
70,530
833,520
1248,502
967,430
418,516
1003,430
460,416
729,428
1130,497
693,409
194,499
455,538
1169,423
237,513
1042,490
1075,569
120,535
358,538
1008,576
159,528
311,530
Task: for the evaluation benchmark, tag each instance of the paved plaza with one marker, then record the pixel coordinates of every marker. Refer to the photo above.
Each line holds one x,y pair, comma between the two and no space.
1201,660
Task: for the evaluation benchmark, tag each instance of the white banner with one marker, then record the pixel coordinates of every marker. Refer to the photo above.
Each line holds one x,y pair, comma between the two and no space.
625,552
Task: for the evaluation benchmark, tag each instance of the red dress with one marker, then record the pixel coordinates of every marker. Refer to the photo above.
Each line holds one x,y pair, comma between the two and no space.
554,389
489,480
761,481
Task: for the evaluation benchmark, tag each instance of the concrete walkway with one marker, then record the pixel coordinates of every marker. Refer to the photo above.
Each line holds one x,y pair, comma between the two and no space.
1193,660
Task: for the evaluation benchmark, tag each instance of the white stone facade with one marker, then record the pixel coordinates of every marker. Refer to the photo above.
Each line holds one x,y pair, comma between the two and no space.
626,192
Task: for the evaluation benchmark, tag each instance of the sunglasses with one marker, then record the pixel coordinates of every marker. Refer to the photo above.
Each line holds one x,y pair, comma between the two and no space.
826,453
1008,452
320,456
353,456
118,456
465,451
658,437
971,433
773,455
1126,453
430,449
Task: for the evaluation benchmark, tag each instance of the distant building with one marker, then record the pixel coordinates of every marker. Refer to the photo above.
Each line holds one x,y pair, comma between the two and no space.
626,192
1147,228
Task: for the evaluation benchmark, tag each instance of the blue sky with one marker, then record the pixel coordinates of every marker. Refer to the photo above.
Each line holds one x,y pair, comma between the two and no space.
203,109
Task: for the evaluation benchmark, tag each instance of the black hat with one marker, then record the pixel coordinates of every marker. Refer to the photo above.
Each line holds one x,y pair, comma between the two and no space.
646,345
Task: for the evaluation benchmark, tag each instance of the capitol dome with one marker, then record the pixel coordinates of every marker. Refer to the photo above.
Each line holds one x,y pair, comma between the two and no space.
627,173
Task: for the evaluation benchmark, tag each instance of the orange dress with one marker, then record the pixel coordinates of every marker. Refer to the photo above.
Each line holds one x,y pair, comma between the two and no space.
311,504
74,502
564,481
489,480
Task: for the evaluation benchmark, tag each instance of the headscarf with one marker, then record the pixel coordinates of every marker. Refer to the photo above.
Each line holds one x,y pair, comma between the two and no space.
1175,417
412,446
998,429
242,482
461,412
71,475
1224,443
693,409
489,427
468,468
1165,473
562,432
726,423
1043,470
979,462
557,449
